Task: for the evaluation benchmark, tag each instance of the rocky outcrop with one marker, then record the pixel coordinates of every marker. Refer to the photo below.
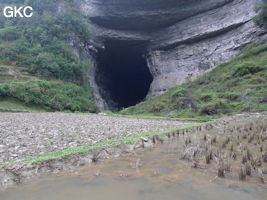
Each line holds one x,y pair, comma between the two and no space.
183,38
195,45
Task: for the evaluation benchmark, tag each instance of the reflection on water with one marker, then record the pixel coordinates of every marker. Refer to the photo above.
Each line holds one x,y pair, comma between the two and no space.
154,174
114,189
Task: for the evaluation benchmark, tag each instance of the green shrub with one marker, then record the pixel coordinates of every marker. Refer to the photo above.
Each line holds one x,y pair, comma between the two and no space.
9,33
261,18
257,80
232,96
215,108
54,95
158,107
254,49
207,97
41,43
46,45
246,69
188,103
179,92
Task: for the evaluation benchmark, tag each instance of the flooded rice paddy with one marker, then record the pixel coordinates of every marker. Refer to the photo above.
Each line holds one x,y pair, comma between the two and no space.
147,174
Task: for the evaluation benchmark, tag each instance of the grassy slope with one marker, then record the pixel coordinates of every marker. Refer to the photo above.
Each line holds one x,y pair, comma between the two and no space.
9,74
22,92
39,46
12,105
234,87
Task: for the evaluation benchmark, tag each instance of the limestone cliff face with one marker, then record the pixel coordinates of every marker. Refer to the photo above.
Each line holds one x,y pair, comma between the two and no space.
193,46
182,38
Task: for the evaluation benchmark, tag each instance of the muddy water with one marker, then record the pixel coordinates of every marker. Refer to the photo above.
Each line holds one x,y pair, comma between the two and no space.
151,174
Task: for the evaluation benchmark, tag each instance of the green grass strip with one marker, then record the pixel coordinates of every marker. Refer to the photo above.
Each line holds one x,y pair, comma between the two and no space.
153,117
82,150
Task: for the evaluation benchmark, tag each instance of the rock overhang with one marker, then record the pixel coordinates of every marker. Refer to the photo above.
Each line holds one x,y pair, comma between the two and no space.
164,23
181,39
145,15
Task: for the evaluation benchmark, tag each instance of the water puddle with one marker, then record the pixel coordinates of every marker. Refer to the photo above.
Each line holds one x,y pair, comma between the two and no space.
150,174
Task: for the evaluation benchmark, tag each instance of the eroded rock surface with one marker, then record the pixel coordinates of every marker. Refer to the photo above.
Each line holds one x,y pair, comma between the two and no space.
182,38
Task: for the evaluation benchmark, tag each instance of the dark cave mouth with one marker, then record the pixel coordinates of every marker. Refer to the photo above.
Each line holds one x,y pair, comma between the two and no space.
122,73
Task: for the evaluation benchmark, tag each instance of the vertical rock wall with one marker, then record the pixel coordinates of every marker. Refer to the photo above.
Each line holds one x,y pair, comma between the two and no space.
197,44
184,38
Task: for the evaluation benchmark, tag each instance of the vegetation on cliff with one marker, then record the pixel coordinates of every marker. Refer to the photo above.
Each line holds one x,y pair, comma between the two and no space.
52,95
40,43
234,87
46,46
262,17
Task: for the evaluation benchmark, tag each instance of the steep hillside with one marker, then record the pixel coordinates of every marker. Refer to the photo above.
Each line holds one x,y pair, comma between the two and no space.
40,60
234,87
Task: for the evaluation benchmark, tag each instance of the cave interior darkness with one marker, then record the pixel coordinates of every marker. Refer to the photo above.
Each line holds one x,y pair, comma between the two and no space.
122,73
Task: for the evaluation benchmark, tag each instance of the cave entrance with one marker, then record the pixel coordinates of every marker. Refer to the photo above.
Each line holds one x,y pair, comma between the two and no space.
122,74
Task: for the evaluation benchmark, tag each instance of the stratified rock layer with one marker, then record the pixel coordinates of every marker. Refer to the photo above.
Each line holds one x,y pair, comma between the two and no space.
184,38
